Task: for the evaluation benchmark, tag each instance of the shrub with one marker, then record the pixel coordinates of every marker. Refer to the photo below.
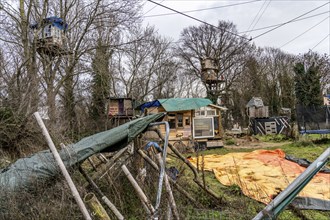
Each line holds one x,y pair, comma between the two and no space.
230,142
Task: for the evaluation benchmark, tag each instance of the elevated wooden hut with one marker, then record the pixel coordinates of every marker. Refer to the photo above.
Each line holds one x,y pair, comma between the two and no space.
50,36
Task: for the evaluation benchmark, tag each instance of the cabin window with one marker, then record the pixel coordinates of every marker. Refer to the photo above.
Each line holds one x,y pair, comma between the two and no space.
48,31
203,127
180,120
210,112
199,113
205,113
171,121
187,121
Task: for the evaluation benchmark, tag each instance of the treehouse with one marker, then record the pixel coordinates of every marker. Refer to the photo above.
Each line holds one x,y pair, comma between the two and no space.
50,36
120,110
211,77
121,107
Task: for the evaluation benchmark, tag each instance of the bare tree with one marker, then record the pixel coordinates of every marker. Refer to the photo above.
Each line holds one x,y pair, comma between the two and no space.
145,65
85,22
221,44
34,80
268,73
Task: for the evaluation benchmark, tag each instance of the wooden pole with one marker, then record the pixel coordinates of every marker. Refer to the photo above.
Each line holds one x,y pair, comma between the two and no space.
94,204
139,191
60,163
103,170
112,207
176,185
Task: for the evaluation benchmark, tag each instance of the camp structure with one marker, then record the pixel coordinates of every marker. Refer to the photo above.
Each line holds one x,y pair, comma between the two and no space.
190,119
26,172
213,79
261,123
50,36
120,110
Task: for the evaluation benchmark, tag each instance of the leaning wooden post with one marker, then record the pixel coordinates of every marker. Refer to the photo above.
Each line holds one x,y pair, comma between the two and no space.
94,204
104,198
65,173
139,191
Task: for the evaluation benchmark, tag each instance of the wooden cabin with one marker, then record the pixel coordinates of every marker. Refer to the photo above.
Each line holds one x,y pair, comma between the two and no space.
50,35
120,110
121,107
190,119
256,109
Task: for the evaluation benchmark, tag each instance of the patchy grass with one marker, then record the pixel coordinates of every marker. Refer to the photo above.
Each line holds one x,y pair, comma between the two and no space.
272,138
234,198
55,201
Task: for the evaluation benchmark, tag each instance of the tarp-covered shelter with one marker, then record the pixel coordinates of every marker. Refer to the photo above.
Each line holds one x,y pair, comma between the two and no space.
189,118
270,126
42,166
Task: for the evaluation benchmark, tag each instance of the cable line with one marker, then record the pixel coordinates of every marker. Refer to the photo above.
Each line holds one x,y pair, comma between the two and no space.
152,8
203,22
321,41
202,9
274,25
266,32
262,6
261,14
304,32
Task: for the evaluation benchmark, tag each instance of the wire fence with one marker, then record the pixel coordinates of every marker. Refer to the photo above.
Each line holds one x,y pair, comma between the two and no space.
313,118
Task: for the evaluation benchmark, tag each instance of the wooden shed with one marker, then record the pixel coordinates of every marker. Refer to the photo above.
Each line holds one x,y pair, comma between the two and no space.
261,123
256,109
190,119
121,107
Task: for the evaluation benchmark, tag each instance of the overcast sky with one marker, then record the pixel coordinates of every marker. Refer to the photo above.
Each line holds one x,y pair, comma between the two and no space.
252,14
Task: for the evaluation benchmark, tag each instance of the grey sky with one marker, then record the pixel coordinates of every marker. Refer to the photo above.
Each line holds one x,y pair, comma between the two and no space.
312,30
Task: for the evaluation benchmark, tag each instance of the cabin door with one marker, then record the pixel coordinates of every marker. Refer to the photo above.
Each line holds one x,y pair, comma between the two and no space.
121,106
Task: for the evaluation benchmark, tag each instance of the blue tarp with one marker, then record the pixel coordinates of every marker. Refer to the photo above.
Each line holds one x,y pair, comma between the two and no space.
56,21
321,131
154,103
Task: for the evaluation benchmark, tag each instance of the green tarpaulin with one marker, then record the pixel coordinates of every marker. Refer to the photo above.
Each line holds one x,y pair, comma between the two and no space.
183,104
42,166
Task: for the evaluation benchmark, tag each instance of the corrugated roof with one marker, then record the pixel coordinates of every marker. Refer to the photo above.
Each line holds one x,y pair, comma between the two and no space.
183,104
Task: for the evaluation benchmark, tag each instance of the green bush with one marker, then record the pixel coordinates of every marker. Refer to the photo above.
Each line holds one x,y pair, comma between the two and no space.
230,142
